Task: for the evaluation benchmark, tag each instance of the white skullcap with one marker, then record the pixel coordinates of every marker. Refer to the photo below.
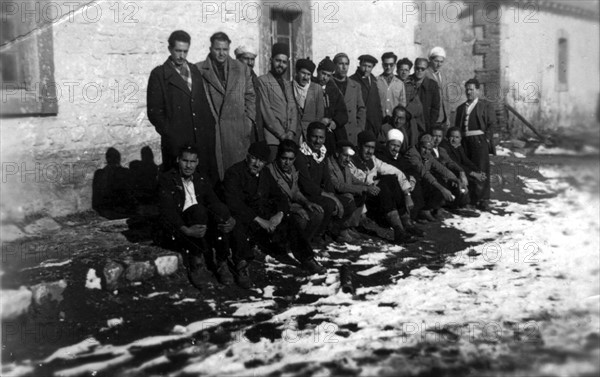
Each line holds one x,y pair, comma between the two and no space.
395,134
437,51
243,50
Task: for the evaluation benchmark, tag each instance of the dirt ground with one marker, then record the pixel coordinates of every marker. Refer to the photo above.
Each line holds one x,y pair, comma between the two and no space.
448,305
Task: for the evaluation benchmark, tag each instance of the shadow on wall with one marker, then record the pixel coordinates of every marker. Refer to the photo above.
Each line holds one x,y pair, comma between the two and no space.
119,192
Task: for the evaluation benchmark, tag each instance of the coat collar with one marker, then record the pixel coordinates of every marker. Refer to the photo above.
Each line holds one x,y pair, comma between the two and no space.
175,78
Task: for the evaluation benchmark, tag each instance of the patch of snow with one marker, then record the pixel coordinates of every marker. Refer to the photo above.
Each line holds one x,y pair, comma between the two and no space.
371,271
245,309
92,281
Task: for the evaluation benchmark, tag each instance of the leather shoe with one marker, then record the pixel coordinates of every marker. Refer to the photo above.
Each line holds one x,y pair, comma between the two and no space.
223,274
242,275
312,266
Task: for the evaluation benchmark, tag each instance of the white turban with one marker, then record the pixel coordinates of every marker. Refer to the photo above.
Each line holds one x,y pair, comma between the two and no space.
243,50
437,51
395,134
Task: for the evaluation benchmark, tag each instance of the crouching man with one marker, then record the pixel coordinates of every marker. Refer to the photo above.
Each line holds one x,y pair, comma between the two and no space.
262,212
197,220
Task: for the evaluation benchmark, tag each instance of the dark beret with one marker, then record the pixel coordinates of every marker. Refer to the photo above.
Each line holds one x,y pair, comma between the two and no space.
280,48
367,58
366,137
305,64
326,65
260,150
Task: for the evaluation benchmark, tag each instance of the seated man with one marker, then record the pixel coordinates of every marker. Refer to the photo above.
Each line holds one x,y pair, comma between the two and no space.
441,154
392,154
346,184
392,199
454,148
315,184
435,193
308,214
402,121
194,216
262,212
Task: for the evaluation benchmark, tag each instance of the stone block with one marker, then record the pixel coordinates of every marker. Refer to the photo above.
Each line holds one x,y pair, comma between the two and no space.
166,265
45,292
15,302
11,233
112,272
43,225
138,271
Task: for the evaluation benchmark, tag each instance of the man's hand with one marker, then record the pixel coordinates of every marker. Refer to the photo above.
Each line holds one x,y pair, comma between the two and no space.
289,135
314,207
303,215
340,208
373,190
480,176
227,226
276,220
463,179
447,195
409,202
196,231
265,224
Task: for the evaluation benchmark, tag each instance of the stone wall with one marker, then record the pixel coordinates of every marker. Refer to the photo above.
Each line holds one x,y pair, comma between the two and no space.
529,63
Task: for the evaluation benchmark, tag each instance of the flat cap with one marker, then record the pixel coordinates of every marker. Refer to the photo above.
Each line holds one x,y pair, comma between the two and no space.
346,146
368,58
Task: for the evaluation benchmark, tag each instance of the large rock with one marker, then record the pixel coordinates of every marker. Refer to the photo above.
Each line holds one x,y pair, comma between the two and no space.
166,265
43,225
112,273
138,271
10,232
45,292
15,302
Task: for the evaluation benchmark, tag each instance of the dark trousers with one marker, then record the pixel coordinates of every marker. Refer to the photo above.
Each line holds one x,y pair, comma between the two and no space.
288,232
477,149
390,198
310,226
432,197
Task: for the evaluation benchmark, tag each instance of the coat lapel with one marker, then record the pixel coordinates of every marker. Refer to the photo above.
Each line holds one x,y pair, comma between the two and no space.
173,77
207,71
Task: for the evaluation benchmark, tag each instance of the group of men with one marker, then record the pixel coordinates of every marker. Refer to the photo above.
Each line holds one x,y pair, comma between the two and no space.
260,160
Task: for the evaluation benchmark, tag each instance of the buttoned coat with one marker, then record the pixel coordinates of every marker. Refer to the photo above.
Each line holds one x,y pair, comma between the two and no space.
234,108
278,109
314,107
357,111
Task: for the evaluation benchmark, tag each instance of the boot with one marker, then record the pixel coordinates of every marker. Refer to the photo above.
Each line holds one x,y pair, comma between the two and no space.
410,226
400,235
427,216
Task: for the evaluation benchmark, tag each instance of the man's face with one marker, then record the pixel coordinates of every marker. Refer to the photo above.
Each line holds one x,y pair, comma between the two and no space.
324,76
420,68
342,65
455,138
303,77
388,66
367,150
399,119
394,147
187,164
437,62
425,150
285,162
219,51
403,71
255,164
248,60
472,92
343,158
279,64
316,139
366,68
438,135
179,52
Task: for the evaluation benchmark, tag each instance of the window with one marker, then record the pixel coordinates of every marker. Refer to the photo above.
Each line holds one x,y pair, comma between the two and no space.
283,31
562,65
26,64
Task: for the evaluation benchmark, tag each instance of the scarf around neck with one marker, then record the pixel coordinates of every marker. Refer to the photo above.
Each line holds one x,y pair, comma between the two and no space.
307,151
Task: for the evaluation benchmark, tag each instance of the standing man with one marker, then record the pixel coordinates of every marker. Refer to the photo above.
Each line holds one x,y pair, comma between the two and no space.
437,57
336,115
413,102
350,90
477,119
308,95
391,88
179,109
428,92
247,56
232,100
370,92
276,96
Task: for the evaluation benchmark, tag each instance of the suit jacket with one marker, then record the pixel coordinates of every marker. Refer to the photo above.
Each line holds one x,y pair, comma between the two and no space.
182,116
459,156
391,95
314,177
234,107
290,187
357,112
248,196
334,105
314,107
415,107
342,179
425,167
485,119
278,109
370,94
172,198
444,113
429,94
